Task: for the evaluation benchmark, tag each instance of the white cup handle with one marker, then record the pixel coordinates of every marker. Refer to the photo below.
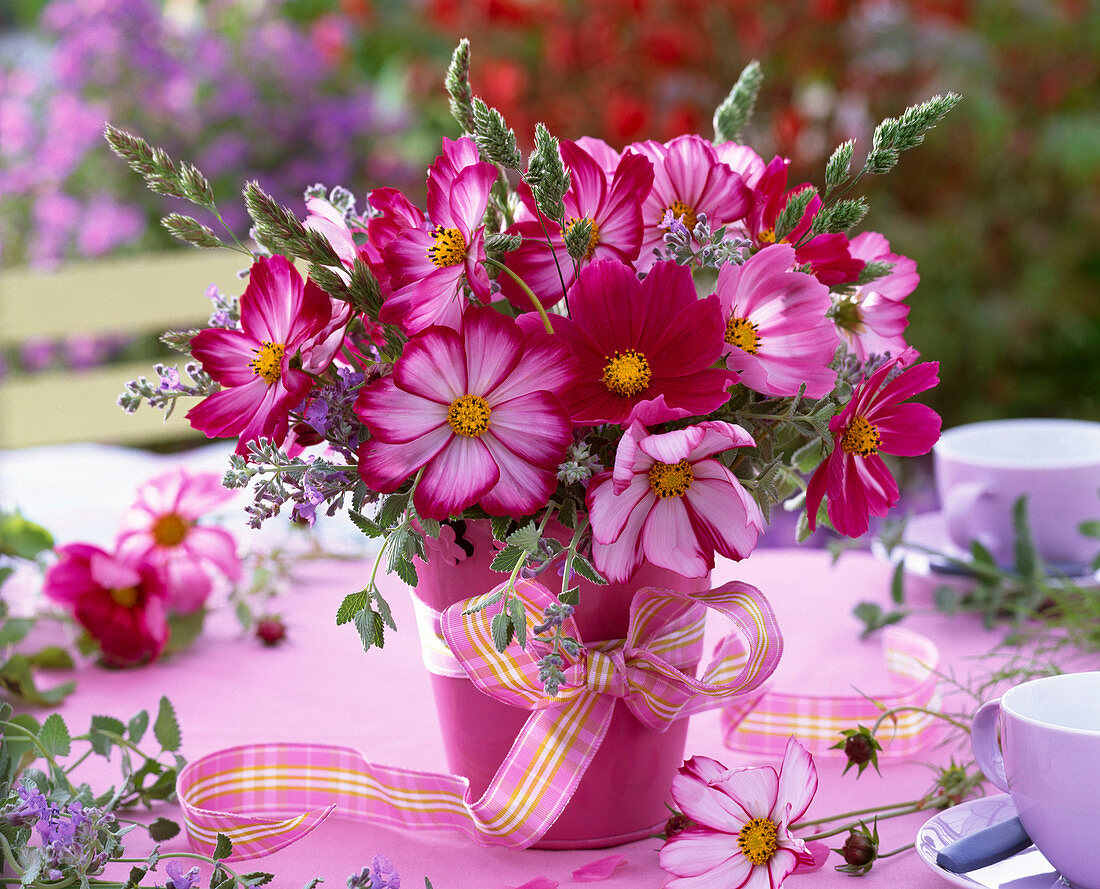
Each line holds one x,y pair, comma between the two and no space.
960,504
986,746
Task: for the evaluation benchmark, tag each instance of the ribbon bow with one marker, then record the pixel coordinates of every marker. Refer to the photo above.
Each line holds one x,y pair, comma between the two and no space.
645,671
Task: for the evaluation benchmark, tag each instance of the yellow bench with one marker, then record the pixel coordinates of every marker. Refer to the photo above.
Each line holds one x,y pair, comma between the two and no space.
140,295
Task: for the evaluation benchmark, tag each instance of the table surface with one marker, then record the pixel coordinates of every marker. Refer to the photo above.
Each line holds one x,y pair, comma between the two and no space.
319,686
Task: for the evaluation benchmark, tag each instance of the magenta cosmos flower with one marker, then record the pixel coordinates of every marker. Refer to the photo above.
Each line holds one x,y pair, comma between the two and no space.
119,599
742,835
778,334
688,180
476,409
289,330
429,266
163,527
828,256
670,503
872,320
613,211
644,349
854,476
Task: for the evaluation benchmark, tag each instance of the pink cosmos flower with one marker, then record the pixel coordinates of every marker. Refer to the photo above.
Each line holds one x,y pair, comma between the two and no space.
118,598
612,209
396,215
163,527
743,838
606,157
688,179
856,480
827,256
778,335
466,406
742,160
429,266
670,503
326,220
644,349
289,329
872,320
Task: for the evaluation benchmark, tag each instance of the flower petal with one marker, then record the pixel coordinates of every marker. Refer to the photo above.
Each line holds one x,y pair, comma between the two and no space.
754,790
384,467
456,477
697,851
599,870
670,541
433,366
797,781
395,416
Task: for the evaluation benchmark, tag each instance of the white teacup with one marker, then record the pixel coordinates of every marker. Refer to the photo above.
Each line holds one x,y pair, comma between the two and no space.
981,469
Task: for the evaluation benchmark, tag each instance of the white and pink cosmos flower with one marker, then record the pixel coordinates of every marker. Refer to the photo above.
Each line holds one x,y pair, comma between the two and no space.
778,333
430,265
477,409
290,329
669,502
689,179
163,527
742,835
872,320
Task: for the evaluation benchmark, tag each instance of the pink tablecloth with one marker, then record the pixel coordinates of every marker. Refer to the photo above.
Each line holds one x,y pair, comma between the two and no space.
321,687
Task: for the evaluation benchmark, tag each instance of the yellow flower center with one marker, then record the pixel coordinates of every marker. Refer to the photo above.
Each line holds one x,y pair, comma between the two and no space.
767,236
671,479
593,237
757,840
169,530
860,438
449,247
268,362
126,597
626,373
469,415
742,333
682,211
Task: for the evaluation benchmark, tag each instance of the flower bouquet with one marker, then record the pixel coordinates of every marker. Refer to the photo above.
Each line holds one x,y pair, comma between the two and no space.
592,368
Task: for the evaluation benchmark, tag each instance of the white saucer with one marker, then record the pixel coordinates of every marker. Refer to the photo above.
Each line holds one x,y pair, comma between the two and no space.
929,531
1025,870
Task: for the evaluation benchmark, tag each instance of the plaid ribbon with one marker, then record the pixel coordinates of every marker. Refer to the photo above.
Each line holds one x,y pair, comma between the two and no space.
818,720
264,797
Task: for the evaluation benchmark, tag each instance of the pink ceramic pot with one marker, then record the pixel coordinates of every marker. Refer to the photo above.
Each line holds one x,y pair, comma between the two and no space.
622,796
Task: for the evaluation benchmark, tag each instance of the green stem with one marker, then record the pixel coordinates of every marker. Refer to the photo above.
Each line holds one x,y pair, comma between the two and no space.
213,209
857,813
847,827
87,753
898,850
9,857
911,708
530,293
42,750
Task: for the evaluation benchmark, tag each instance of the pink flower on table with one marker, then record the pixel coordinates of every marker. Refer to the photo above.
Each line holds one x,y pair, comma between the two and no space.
644,349
872,320
742,838
668,502
854,476
613,210
289,330
778,334
828,256
118,598
163,527
688,180
430,266
465,405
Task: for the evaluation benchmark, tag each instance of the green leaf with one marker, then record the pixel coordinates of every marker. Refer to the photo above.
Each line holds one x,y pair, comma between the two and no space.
406,570
184,629
54,737
571,596
1027,562
586,570
526,537
100,742
383,609
897,584
364,524
52,657
736,109
501,524
517,614
257,878
370,627
223,848
15,630
353,603
502,630
244,615
392,509
22,539
18,681
166,729
430,526
567,514
137,874
508,558
163,829
1090,528
874,618
137,726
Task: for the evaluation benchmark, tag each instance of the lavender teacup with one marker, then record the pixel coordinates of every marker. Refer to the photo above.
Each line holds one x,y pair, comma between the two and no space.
1048,759
981,470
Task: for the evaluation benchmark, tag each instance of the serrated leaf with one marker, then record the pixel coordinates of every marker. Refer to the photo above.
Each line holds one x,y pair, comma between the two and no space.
501,524
257,878
223,848
54,736
135,729
431,526
517,614
384,609
369,625
369,528
137,874
166,729
15,630
52,657
567,514
571,596
163,829
392,509
526,537
502,630
406,570
586,570
353,603
508,558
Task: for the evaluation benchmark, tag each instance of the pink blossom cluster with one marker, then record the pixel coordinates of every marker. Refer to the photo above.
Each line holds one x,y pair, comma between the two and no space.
163,562
507,362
